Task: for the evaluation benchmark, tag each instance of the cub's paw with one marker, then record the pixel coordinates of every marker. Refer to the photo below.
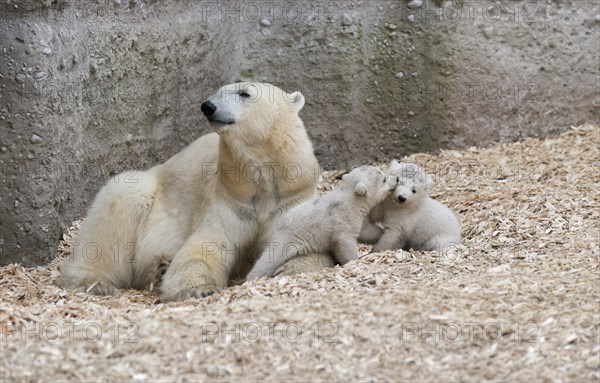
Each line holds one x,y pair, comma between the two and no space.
305,263
190,280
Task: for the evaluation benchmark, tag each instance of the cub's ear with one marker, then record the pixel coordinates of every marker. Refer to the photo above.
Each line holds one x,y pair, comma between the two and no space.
341,176
360,189
297,99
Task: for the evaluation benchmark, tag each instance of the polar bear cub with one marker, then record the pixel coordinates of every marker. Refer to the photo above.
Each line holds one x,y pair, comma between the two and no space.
330,224
411,219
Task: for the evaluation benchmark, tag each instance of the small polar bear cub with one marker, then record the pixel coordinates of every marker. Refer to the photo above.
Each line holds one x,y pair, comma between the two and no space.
411,219
327,225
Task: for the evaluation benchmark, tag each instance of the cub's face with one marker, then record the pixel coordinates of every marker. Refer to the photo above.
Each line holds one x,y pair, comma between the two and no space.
251,107
370,183
413,183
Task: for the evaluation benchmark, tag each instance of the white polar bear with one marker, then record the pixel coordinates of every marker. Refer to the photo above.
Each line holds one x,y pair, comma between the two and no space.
411,219
202,215
328,225
305,263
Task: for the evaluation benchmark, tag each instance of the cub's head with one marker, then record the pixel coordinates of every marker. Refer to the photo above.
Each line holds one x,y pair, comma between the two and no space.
370,183
413,183
252,108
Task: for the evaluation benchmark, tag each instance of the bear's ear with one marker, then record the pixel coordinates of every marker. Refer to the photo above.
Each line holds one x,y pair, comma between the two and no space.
298,100
341,176
360,189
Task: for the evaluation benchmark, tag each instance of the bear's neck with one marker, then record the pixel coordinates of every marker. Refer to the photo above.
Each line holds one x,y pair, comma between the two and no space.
280,167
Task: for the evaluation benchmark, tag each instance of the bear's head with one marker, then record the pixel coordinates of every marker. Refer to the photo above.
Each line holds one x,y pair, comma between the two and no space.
413,183
369,183
252,109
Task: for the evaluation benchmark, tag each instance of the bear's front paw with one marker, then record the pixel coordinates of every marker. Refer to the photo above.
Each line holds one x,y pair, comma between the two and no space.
305,263
191,292
191,280
95,288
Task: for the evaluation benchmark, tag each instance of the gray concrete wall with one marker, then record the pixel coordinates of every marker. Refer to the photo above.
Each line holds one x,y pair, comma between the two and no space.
91,88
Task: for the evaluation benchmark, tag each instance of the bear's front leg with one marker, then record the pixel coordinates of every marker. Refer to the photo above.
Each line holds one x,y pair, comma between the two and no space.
369,233
199,269
390,240
345,250
305,263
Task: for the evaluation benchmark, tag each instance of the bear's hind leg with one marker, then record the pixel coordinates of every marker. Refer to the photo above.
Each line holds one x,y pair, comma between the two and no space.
440,243
104,251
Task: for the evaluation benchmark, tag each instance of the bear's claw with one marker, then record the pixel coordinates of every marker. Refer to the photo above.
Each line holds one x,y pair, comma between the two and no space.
191,293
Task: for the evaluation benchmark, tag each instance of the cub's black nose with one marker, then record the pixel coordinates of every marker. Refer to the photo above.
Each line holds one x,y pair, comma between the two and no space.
401,199
208,108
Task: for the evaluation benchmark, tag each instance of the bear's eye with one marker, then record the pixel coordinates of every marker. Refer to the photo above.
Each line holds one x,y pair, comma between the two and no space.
414,190
384,179
244,93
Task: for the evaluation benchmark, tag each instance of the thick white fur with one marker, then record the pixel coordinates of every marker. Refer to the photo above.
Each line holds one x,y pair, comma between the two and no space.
420,223
328,225
305,263
200,217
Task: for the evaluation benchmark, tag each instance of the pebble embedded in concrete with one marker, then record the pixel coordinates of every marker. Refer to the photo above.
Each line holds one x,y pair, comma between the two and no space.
488,32
265,22
39,75
36,139
20,78
346,19
414,4
399,74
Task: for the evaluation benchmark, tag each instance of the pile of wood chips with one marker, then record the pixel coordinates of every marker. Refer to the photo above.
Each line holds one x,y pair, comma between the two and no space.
518,300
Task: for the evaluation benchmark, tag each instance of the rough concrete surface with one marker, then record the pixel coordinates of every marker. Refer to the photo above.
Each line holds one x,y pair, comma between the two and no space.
91,88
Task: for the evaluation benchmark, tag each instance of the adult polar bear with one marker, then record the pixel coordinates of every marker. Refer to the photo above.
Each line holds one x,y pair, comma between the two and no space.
203,214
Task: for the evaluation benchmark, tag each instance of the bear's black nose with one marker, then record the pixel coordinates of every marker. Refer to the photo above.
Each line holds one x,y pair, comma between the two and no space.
208,108
401,199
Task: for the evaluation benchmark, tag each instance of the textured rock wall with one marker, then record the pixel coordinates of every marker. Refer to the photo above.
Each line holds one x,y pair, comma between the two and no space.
91,88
